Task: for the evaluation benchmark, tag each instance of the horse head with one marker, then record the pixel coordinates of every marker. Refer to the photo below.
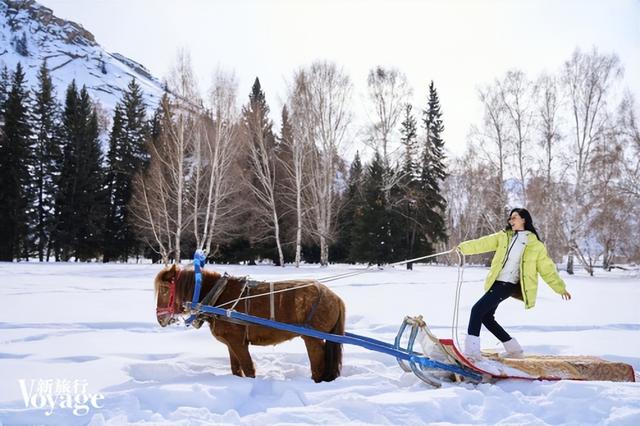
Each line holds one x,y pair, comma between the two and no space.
167,302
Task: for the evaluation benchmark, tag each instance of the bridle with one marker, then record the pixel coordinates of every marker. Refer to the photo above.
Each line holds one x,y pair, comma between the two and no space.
170,309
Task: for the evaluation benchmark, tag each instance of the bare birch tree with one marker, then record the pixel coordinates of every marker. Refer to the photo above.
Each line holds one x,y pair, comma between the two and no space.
471,202
262,180
215,153
491,138
587,79
389,92
150,206
293,163
608,208
321,96
162,190
548,122
630,132
518,93
157,203
627,125
543,193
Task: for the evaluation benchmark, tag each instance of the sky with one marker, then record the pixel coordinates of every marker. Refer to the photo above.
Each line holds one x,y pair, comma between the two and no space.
460,45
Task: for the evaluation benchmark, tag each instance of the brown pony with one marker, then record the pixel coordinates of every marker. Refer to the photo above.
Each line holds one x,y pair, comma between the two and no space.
307,303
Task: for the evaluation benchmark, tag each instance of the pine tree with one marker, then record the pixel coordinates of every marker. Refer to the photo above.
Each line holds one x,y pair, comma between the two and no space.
372,229
113,224
353,203
136,124
103,67
21,45
431,203
155,124
408,188
63,235
5,80
126,156
409,133
259,131
285,140
80,201
16,189
47,158
286,184
92,200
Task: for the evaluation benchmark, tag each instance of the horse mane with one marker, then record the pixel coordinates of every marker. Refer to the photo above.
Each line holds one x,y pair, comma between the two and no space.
163,276
186,280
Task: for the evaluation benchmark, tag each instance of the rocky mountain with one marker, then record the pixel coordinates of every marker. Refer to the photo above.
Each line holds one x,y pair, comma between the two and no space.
30,34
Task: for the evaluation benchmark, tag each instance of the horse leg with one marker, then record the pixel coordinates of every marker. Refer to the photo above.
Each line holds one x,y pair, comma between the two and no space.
232,347
240,349
315,350
235,364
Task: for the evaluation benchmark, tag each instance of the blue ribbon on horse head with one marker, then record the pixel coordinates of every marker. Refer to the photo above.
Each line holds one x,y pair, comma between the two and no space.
199,259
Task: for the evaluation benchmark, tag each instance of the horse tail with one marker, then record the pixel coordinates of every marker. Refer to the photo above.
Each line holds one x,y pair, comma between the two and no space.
332,350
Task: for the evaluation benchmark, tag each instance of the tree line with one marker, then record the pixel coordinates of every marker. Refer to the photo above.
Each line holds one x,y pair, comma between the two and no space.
63,198
222,179
566,145
203,173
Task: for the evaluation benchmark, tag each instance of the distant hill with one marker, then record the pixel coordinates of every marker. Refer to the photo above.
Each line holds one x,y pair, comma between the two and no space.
30,33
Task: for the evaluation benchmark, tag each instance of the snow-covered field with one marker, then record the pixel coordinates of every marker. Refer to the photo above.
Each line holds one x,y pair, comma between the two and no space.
90,329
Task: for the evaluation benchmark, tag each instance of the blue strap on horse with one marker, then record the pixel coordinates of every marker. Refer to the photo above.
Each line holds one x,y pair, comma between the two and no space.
199,259
416,361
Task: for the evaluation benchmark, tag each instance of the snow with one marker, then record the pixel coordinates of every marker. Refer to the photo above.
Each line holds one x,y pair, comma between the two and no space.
96,323
70,58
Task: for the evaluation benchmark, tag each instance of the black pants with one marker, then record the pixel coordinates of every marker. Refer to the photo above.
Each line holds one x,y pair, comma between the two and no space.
484,310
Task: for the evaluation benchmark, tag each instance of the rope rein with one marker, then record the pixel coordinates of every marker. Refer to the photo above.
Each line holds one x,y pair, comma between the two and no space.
235,301
340,276
456,305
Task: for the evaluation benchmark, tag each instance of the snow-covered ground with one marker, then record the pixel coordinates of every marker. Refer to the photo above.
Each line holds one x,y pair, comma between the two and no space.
90,329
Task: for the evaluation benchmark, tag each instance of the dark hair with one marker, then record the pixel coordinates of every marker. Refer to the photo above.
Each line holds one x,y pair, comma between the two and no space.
528,221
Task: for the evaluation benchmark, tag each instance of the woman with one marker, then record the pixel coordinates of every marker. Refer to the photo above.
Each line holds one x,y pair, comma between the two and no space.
519,257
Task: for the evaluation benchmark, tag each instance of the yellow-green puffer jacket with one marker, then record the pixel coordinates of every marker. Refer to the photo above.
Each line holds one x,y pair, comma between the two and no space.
535,260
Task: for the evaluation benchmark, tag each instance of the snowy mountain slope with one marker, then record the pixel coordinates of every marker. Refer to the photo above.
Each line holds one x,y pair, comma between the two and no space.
30,34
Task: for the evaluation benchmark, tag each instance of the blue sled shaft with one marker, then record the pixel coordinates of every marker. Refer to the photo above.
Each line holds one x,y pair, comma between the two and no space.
348,338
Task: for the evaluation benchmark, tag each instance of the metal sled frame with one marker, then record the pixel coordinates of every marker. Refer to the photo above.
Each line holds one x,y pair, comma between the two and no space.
423,367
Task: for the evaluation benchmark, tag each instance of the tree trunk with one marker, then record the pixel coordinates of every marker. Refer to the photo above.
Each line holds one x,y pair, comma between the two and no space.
298,228
570,264
324,251
277,236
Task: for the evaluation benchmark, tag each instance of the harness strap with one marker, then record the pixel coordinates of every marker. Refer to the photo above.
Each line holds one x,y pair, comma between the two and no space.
218,287
244,287
247,307
170,308
314,306
271,303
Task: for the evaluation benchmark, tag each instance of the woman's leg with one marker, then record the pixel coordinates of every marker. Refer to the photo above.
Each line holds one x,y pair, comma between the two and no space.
492,325
484,309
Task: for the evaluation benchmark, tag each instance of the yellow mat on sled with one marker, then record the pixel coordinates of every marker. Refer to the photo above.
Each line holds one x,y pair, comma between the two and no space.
569,367
544,367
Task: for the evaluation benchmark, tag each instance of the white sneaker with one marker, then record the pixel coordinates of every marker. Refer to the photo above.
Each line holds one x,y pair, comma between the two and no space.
513,349
472,347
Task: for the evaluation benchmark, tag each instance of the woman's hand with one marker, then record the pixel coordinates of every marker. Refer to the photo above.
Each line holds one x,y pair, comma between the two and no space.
566,295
